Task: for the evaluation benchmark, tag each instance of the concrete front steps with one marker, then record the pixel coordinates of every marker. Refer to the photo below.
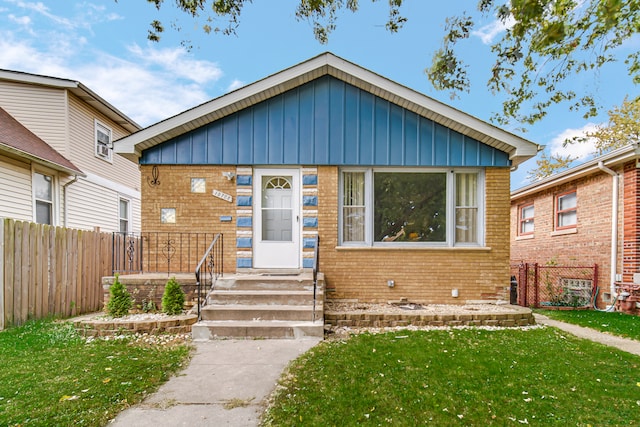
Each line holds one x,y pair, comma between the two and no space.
262,305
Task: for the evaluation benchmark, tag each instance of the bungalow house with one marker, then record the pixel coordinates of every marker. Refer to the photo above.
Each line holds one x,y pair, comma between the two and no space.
583,216
56,156
408,196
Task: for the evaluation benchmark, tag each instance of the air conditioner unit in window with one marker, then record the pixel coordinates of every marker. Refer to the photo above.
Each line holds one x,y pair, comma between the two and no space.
103,150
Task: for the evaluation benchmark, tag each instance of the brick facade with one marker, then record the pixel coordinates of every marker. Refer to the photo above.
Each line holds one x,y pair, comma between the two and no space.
425,275
631,206
195,212
590,242
422,275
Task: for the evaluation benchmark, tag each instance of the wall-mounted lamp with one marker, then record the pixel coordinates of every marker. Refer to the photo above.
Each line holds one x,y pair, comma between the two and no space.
391,283
454,293
229,175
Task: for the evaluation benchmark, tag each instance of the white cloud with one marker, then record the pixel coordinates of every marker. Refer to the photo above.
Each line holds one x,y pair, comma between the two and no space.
20,20
145,90
235,84
488,32
43,10
583,151
179,62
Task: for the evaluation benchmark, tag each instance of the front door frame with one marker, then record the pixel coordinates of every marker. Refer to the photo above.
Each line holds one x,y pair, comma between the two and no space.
277,255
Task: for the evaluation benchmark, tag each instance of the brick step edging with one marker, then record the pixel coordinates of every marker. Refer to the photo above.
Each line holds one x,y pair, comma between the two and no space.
383,320
101,328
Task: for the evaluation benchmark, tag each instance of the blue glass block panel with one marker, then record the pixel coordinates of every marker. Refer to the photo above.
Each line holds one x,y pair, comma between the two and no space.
225,218
245,221
244,179
308,242
310,200
307,263
244,262
244,200
309,179
310,222
243,242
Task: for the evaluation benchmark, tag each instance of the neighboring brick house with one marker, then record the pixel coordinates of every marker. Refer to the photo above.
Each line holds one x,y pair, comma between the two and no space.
409,197
37,184
583,216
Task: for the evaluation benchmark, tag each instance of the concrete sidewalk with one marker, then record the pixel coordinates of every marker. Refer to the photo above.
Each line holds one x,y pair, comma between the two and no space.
625,344
238,374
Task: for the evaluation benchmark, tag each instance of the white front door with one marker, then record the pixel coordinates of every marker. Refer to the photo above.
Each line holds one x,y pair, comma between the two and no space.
277,218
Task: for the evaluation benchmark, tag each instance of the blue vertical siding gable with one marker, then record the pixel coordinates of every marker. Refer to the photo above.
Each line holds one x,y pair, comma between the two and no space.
325,122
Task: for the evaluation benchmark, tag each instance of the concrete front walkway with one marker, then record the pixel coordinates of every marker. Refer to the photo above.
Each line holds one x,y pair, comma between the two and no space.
225,384
625,344
228,381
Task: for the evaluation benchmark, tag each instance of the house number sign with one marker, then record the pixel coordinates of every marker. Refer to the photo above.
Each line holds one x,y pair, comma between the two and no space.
221,195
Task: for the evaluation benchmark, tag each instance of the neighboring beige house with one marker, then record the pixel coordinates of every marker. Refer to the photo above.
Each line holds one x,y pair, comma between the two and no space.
78,182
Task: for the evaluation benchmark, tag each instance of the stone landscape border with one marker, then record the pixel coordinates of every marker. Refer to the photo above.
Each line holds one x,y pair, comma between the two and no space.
516,316
101,327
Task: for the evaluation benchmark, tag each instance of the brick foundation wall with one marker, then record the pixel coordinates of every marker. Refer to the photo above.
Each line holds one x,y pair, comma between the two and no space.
589,244
425,275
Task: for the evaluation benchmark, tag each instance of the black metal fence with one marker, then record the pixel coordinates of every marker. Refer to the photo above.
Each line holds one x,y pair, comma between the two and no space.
157,252
551,286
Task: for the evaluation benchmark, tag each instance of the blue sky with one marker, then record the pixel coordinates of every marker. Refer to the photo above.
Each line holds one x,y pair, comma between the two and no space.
102,43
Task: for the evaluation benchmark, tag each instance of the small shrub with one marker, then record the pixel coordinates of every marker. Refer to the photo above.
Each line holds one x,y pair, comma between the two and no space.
119,299
173,297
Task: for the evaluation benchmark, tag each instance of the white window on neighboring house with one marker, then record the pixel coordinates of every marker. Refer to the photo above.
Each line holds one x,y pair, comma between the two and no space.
104,145
124,215
43,197
411,207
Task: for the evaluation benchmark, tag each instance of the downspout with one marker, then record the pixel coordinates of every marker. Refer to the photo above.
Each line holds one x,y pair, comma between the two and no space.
64,195
614,226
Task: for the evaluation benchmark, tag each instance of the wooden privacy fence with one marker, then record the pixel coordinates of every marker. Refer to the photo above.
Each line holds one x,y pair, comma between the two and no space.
50,271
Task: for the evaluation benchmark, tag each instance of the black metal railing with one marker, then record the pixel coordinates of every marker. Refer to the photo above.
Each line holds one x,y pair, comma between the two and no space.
209,269
157,252
316,257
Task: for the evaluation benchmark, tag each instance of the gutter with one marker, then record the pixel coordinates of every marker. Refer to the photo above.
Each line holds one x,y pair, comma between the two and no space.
614,226
64,195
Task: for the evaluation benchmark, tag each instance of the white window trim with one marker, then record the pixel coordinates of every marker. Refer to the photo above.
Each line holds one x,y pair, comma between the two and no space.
450,204
54,194
109,156
121,199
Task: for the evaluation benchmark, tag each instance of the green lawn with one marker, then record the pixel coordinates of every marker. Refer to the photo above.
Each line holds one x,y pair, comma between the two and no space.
615,323
538,376
49,376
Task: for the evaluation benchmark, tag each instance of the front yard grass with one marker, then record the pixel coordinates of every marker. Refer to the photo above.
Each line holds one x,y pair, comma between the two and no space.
616,323
50,376
458,377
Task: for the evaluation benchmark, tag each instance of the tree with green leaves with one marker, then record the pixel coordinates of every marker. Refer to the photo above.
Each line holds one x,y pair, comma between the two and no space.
544,44
622,129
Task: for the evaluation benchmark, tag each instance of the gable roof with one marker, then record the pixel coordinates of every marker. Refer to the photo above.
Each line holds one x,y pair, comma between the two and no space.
613,158
518,149
20,141
78,89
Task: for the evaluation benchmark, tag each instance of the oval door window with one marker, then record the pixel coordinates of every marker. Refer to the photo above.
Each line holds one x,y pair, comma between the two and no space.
277,209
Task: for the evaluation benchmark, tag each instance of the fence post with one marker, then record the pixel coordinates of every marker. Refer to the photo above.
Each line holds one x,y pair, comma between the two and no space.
2,245
536,284
522,284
